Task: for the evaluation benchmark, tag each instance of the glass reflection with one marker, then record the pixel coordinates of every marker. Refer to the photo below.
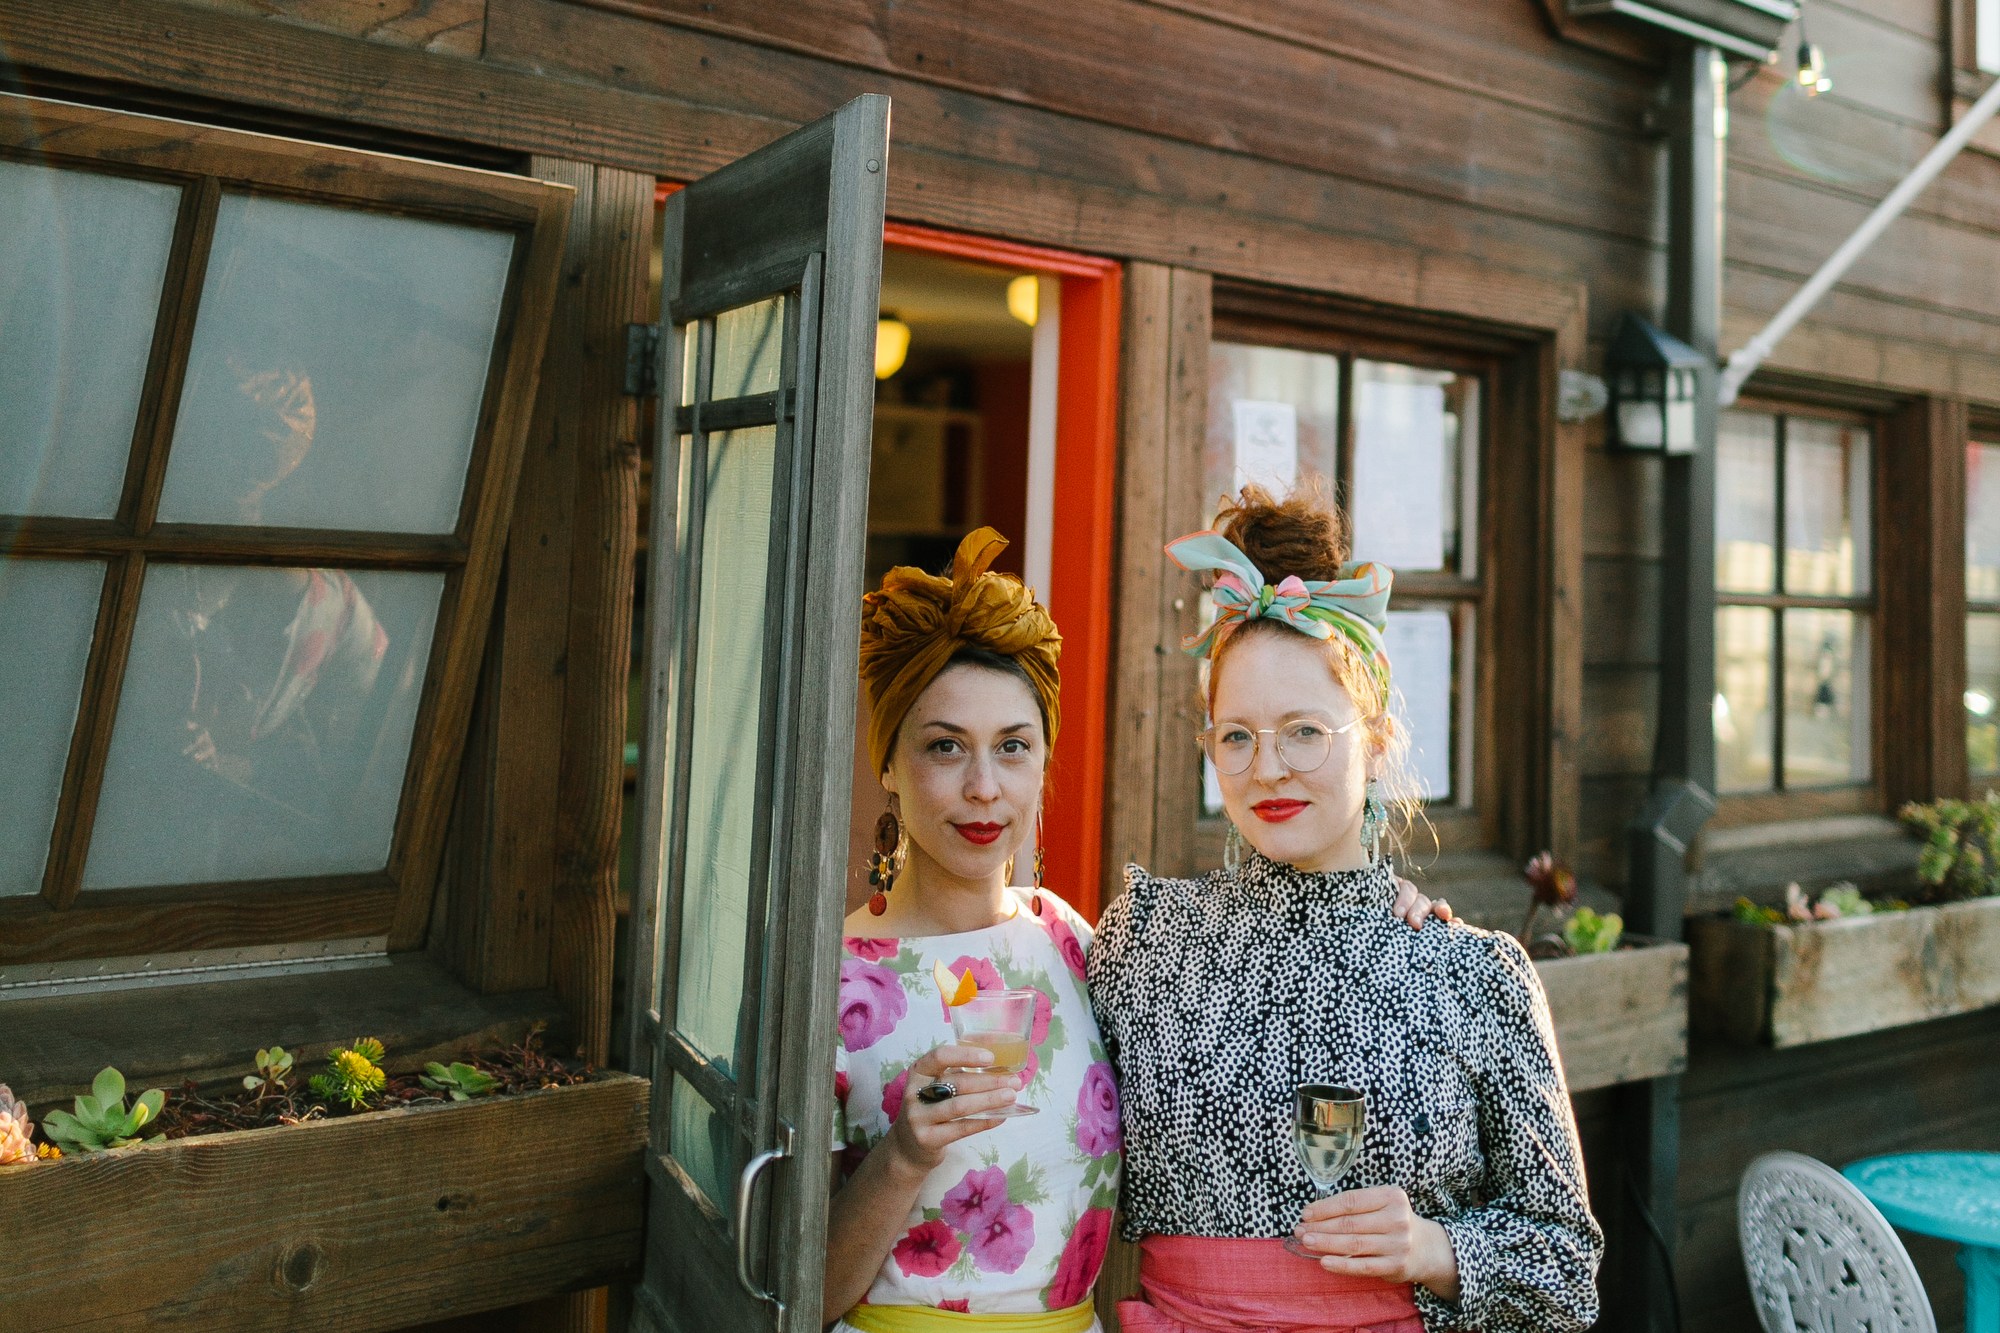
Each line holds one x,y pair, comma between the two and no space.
1982,693
749,349
264,725
1826,508
1273,416
53,605
1743,698
1982,522
1746,502
1826,697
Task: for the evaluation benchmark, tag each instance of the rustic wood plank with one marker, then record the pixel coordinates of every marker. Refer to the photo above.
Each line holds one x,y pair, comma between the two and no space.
1621,598
1920,480
604,526
448,27
357,1223
1247,93
1793,985
1619,1016
128,923
52,1046
1620,712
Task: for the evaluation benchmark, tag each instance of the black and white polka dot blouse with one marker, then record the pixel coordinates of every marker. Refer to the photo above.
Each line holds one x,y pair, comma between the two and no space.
1218,996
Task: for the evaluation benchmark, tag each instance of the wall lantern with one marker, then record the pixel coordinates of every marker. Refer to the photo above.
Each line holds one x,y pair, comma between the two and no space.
1654,378
892,344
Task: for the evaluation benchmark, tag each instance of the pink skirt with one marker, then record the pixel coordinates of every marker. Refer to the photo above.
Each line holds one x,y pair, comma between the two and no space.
1198,1284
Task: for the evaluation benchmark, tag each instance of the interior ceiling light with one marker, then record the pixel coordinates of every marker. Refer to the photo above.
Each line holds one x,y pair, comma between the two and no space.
1024,299
1812,70
892,344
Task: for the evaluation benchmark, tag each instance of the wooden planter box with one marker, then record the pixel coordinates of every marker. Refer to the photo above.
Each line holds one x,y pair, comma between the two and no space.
1619,1016
367,1222
1793,984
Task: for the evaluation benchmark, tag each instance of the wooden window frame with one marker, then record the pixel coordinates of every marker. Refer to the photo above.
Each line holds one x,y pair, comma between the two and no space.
1781,802
66,922
1982,428
1963,80
1513,800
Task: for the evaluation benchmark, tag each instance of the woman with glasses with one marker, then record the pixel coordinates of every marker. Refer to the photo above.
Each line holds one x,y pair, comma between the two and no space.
1224,1000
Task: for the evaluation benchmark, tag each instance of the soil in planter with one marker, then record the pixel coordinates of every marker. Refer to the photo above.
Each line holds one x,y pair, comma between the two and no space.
524,1067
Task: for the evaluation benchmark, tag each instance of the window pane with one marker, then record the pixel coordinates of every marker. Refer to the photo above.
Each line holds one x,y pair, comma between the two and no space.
1746,507
701,1141
264,725
749,349
726,749
1419,643
80,277
690,336
1407,432
51,606
1982,693
338,368
1982,522
1743,698
1273,416
1826,697
1826,507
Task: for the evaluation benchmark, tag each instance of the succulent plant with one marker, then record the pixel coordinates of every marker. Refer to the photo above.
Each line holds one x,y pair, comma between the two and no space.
273,1067
459,1079
1961,854
101,1119
352,1075
17,1132
1587,932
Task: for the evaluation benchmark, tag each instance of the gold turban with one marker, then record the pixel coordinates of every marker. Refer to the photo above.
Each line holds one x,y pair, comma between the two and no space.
913,624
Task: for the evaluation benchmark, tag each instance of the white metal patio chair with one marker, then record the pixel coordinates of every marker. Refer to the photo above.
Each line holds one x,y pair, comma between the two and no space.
1821,1258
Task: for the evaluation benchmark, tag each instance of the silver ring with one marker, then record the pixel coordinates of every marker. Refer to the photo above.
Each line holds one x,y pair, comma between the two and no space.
933,1093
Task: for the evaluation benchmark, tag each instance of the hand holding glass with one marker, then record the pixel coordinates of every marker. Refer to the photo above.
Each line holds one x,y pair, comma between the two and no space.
1327,1126
1001,1022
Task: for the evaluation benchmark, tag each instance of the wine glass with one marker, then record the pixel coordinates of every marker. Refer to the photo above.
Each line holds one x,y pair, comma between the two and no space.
1327,1124
1000,1021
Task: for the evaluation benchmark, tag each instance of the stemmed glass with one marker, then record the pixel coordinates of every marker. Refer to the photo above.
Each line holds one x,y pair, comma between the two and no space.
1327,1125
1002,1022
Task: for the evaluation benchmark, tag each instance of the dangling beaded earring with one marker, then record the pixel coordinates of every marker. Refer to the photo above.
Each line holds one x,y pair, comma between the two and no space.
1233,848
882,863
1041,844
1374,818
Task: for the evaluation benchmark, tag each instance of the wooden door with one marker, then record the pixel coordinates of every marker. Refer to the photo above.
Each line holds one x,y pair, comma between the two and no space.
769,295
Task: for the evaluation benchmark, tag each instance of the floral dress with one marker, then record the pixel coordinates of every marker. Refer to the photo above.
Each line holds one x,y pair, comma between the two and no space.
1015,1219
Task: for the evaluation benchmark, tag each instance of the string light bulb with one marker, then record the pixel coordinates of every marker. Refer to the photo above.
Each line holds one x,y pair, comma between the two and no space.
892,345
1024,299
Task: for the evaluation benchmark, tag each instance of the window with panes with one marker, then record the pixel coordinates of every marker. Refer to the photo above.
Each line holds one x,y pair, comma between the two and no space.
261,403
1397,433
1982,609
1794,602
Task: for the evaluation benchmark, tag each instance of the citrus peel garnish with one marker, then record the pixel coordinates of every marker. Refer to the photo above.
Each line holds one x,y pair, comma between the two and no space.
954,991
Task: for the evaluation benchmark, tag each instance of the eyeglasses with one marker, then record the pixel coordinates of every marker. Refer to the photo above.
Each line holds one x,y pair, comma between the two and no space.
1303,744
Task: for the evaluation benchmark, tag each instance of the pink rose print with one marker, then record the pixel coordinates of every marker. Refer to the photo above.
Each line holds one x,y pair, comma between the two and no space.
974,1202
987,975
1002,1245
1044,1011
926,1250
871,1002
892,1095
1076,1271
872,951
842,1085
1066,942
962,1304
1097,1132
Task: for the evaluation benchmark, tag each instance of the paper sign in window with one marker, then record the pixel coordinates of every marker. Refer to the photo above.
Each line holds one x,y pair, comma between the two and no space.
1399,466
1267,444
1419,644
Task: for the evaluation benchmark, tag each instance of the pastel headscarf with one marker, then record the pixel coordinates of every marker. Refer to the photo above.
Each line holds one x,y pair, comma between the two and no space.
915,622
1355,605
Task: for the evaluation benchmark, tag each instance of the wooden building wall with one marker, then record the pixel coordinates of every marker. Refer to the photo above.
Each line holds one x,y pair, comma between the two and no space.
1414,153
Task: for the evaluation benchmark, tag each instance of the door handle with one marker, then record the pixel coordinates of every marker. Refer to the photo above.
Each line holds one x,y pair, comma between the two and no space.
746,1188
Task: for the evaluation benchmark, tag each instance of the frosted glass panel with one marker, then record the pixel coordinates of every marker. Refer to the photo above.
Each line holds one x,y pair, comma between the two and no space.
1826,697
701,1141
49,607
725,751
1419,644
1982,693
1746,502
1743,698
749,349
1826,508
338,367
264,726
80,274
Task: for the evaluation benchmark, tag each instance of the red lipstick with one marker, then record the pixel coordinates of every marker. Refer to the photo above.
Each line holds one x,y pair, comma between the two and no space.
982,834
1277,811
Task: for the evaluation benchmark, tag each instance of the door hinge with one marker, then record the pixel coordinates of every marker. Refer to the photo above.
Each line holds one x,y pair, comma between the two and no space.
642,360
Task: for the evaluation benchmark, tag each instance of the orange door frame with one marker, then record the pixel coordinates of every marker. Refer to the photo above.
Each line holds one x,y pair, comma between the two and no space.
1080,558
1079,591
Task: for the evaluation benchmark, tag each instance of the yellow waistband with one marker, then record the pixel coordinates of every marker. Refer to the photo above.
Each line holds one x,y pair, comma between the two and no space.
925,1319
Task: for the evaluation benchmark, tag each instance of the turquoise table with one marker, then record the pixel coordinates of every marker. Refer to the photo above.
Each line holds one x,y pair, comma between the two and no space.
1953,1196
